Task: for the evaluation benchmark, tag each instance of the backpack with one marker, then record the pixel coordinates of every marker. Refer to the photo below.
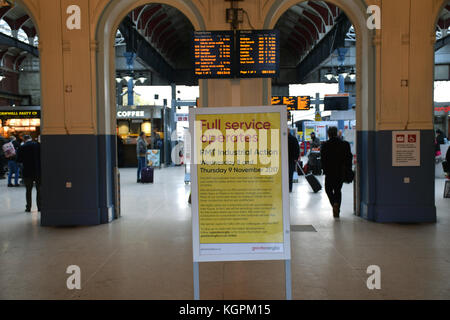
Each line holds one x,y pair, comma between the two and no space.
9,150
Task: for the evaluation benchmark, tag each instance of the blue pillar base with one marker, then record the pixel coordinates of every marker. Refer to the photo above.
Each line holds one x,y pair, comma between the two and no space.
86,162
384,195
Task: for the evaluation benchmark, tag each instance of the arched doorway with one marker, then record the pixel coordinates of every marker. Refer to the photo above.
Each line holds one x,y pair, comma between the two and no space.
365,96
142,13
441,99
20,98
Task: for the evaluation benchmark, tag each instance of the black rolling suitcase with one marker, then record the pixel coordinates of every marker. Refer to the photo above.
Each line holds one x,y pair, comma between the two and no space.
147,175
312,180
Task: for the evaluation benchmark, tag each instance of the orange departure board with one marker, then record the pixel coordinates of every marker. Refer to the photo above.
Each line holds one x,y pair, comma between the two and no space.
293,103
213,54
258,53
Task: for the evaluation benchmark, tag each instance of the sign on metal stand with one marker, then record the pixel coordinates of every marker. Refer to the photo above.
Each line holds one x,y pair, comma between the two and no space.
240,195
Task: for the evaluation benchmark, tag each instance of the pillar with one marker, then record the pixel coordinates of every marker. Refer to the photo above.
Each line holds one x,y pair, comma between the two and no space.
404,102
77,166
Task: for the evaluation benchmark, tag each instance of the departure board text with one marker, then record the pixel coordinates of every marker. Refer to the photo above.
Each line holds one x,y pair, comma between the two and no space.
258,53
213,54
293,103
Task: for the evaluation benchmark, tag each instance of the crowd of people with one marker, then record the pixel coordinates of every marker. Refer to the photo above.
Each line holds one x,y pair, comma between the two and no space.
21,159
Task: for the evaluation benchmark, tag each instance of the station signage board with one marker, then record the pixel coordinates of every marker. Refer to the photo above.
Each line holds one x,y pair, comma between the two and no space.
258,53
240,196
138,113
302,103
213,54
20,114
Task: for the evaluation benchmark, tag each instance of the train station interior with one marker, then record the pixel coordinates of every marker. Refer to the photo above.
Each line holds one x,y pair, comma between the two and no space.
88,82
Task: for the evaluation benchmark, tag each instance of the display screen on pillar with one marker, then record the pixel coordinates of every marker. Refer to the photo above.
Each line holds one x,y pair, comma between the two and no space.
258,53
337,102
213,54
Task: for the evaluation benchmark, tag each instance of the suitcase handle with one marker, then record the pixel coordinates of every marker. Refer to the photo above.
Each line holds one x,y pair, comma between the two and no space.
300,167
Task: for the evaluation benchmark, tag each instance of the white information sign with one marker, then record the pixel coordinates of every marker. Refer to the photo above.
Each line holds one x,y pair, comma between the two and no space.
406,148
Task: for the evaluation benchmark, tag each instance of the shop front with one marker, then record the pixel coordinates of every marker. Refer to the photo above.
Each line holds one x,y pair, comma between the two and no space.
20,121
131,121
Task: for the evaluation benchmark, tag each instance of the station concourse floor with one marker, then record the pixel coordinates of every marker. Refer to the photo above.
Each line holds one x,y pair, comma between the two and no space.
147,253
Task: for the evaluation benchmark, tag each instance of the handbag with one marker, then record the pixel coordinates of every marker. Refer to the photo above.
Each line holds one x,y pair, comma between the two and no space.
348,175
445,166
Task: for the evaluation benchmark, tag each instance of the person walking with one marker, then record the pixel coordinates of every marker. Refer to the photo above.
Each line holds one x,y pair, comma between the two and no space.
294,153
29,154
13,167
141,151
3,160
336,159
315,142
440,138
155,140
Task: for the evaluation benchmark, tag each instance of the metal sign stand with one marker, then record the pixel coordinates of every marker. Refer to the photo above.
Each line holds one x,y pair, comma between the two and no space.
288,278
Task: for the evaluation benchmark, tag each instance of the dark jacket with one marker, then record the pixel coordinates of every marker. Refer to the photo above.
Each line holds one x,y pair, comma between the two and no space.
336,155
30,155
440,139
447,156
141,147
293,149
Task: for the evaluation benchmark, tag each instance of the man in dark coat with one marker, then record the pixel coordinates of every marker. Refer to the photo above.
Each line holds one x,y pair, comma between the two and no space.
29,155
294,153
336,159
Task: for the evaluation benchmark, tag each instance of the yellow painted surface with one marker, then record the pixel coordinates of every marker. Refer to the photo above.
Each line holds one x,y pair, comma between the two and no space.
240,200
402,85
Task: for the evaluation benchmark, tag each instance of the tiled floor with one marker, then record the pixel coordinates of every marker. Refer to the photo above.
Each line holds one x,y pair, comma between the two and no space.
147,254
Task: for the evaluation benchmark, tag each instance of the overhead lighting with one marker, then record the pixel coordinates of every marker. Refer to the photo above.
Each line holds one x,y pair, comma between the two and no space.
342,72
352,74
119,80
127,78
329,75
142,79
2,77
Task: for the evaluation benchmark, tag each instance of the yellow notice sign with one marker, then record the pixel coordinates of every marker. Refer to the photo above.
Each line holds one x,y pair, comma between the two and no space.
239,185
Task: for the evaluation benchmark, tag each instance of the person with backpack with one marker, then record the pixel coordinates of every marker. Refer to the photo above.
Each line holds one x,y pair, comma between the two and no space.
293,154
30,155
11,156
3,161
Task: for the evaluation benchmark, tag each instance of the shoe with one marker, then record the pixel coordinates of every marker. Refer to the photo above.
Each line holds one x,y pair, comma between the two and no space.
17,185
10,185
336,210
27,210
138,180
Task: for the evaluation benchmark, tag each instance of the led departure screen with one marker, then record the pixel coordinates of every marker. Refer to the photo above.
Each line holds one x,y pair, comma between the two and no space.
293,103
258,53
213,54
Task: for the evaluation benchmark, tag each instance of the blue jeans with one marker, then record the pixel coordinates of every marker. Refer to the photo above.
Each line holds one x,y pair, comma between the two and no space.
13,168
141,165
